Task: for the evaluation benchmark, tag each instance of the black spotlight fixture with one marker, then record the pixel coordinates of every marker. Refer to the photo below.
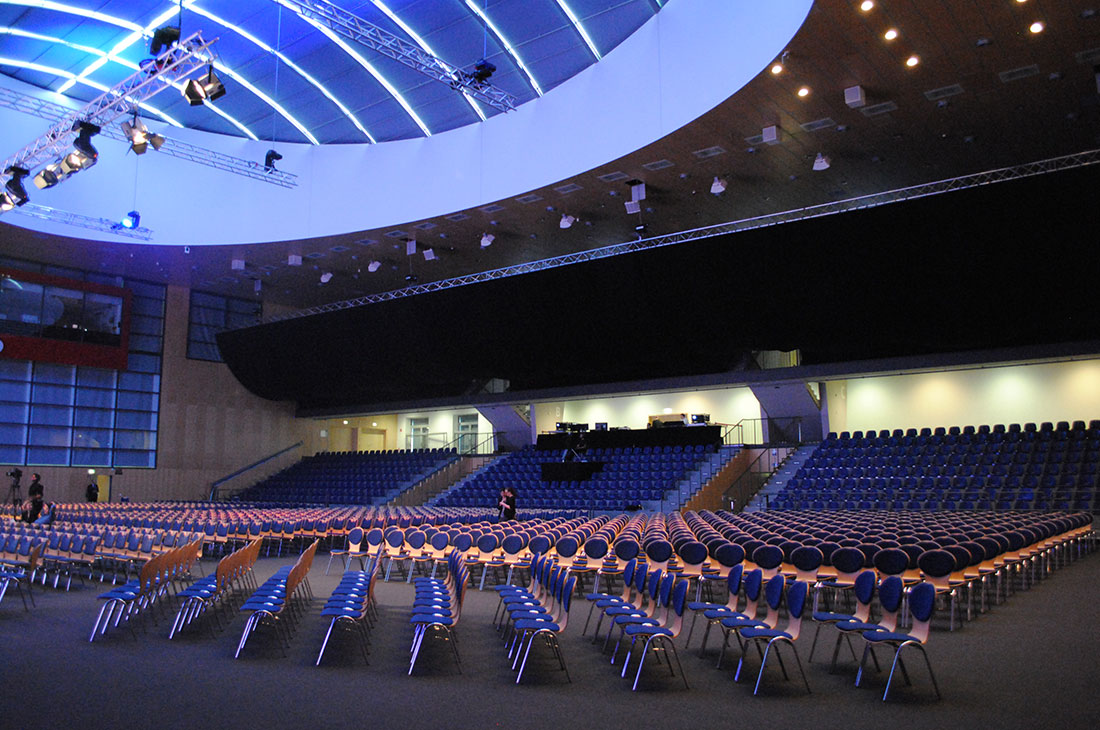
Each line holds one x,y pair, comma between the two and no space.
131,220
270,159
14,194
483,71
164,38
206,88
85,154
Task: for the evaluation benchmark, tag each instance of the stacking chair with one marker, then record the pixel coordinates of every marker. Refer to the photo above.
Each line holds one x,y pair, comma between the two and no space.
22,572
605,600
549,628
394,550
733,584
350,607
647,587
922,605
632,603
773,596
938,566
660,637
864,591
847,562
796,604
439,610
353,551
655,613
891,592
754,583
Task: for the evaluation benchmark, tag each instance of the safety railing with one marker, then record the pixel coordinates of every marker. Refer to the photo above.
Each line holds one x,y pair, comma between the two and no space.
235,482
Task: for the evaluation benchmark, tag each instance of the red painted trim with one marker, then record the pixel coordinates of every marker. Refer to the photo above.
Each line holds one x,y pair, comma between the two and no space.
46,349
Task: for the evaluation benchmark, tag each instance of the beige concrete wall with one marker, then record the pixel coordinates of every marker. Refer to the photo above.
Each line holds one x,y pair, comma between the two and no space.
209,427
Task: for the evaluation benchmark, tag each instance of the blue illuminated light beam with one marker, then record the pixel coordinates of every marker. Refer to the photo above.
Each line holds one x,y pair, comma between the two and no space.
580,28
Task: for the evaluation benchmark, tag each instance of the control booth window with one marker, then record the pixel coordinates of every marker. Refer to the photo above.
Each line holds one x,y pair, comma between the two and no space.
71,413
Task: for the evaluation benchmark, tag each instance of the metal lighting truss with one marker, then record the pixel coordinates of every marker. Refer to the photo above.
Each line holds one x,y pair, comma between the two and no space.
52,112
1004,174
84,221
355,28
169,68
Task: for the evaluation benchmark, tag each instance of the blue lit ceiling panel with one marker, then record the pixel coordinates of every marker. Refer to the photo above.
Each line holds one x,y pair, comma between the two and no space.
288,81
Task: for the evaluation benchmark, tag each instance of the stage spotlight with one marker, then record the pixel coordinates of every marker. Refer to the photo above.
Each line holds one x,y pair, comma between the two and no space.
13,189
374,266
49,176
209,87
270,159
821,162
487,240
85,154
140,137
326,277
718,186
483,71
163,38
567,221
429,254
131,220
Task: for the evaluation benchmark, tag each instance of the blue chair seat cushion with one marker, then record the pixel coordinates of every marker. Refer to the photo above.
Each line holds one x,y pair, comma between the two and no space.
857,626
895,637
704,605
635,621
624,610
740,622
717,613
342,611
827,616
756,633
431,619
535,625
647,630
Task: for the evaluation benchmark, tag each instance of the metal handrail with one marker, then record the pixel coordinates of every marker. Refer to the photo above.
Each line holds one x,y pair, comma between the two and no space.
216,485
484,447
763,431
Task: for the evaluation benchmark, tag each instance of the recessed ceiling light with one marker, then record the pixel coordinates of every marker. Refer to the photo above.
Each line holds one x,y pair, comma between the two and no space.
890,34
912,61
866,5
804,91
1036,27
777,69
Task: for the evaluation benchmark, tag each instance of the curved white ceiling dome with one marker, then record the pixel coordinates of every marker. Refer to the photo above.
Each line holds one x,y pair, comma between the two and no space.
686,60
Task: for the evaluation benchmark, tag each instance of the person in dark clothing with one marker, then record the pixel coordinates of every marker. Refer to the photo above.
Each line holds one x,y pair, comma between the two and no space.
91,494
33,508
507,504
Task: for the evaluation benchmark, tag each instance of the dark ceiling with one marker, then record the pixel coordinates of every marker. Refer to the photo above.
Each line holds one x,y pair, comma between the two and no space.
986,93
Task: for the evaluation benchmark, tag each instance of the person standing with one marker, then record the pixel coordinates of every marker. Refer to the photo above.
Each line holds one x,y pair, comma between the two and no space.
33,508
91,494
507,504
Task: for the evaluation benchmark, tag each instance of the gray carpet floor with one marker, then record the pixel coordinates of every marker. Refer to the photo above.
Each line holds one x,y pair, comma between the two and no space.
1027,663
